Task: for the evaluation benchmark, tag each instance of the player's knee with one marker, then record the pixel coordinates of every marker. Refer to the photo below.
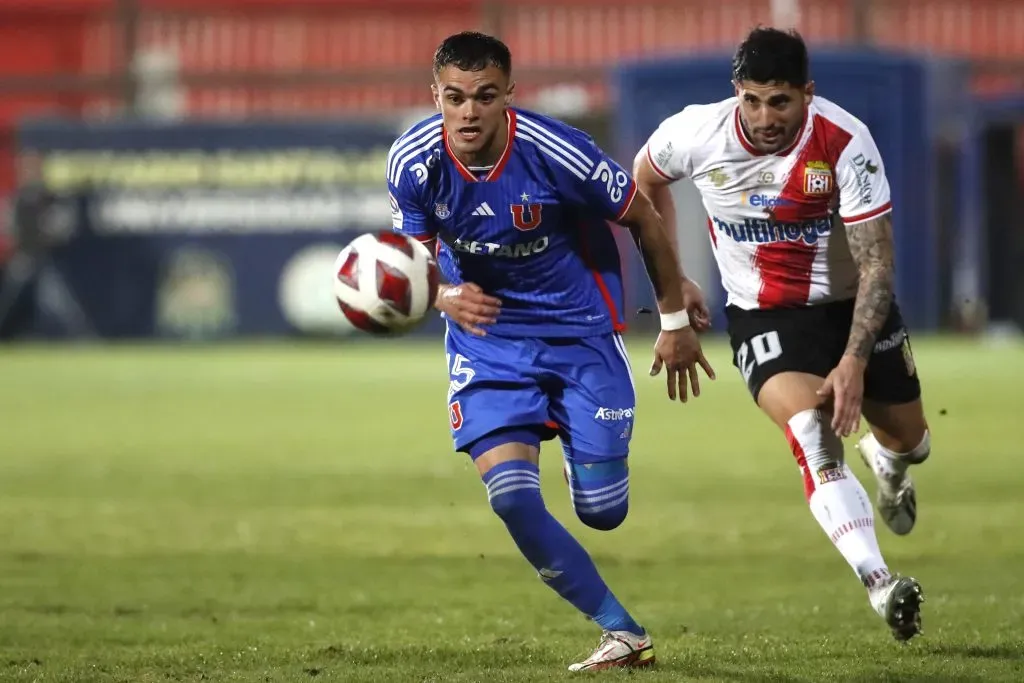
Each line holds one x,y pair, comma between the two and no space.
914,449
817,449
513,488
923,449
604,518
600,493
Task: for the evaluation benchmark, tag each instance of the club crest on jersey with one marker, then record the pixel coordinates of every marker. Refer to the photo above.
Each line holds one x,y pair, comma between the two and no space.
442,211
526,216
817,178
831,473
455,415
717,177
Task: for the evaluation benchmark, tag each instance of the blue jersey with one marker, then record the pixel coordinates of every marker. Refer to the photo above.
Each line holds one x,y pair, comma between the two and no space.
534,231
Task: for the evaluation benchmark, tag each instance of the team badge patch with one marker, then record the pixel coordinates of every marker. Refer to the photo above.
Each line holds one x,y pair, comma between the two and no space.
526,217
831,473
717,177
455,415
818,178
442,211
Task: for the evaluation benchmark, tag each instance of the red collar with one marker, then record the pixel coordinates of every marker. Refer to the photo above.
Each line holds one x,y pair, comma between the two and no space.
469,176
749,146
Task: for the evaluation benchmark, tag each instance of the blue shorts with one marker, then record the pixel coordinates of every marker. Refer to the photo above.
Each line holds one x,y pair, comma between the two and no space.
580,389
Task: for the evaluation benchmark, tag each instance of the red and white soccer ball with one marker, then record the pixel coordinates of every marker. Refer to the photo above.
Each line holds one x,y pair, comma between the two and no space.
385,282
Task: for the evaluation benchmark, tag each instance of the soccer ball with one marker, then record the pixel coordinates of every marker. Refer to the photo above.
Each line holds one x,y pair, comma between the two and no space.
385,282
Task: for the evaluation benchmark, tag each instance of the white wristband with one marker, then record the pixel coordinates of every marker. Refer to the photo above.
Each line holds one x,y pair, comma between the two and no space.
675,321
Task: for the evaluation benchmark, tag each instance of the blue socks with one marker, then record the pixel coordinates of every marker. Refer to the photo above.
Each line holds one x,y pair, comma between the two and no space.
600,492
513,489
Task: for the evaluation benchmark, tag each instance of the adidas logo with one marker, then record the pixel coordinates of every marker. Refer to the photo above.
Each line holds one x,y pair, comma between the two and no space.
483,210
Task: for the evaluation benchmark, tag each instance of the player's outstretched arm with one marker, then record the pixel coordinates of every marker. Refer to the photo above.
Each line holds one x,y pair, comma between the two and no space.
659,259
655,184
677,348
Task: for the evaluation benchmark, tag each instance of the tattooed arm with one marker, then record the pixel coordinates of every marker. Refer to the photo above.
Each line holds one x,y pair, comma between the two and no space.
865,206
872,249
871,245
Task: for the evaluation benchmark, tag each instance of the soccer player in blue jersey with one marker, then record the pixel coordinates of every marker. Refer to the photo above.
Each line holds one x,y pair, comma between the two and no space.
518,206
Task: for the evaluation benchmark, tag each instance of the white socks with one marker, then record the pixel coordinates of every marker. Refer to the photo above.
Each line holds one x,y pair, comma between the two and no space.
837,499
893,466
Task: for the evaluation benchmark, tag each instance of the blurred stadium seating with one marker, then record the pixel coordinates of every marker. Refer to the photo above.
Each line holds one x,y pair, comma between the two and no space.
239,62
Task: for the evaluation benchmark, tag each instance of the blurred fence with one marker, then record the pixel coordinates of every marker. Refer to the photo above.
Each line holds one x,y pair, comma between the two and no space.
303,57
180,258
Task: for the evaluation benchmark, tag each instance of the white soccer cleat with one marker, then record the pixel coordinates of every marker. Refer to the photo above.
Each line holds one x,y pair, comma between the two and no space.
619,649
898,601
896,499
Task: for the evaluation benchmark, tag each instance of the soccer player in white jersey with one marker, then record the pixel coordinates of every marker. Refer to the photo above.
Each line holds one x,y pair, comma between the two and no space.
799,219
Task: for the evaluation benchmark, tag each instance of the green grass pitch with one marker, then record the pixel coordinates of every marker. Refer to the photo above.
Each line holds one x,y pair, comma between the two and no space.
291,512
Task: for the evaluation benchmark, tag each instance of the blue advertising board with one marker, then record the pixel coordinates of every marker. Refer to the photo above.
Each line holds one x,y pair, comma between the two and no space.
209,229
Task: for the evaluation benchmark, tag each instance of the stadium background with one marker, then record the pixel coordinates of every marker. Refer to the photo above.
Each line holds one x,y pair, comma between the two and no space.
236,142
223,483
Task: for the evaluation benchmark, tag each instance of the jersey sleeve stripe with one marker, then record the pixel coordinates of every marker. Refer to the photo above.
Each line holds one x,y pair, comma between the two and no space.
404,143
554,155
874,213
542,132
631,195
654,165
553,151
430,142
408,142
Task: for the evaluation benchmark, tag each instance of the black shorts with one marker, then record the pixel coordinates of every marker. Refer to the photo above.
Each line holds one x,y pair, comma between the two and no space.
812,340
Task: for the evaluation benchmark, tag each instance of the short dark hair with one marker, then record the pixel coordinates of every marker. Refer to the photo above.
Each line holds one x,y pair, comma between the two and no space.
769,55
472,51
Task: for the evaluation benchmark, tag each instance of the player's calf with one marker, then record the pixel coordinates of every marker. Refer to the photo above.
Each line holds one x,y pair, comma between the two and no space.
898,439
840,505
513,490
896,498
599,491
893,458
837,500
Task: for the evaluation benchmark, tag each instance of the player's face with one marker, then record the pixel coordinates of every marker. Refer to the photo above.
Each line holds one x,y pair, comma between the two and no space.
772,113
473,106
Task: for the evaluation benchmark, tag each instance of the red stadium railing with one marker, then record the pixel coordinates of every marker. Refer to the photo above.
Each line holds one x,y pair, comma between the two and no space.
240,57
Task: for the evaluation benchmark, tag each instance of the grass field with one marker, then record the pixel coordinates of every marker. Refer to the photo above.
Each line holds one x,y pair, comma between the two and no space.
295,513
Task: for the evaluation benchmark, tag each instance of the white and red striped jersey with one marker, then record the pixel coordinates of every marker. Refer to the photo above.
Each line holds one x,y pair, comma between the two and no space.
776,220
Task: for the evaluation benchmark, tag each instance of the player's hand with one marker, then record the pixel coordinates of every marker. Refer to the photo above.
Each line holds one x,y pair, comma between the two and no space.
680,352
845,387
693,300
468,306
